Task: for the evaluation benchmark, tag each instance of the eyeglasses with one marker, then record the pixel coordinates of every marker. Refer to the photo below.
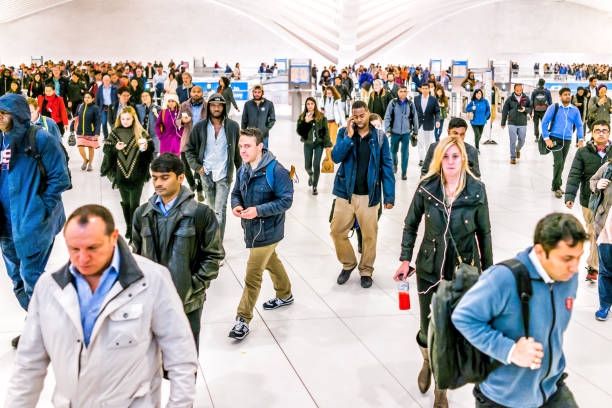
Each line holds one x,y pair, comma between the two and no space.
601,132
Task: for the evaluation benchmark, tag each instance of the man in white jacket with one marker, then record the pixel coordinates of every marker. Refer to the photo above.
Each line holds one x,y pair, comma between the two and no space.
104,321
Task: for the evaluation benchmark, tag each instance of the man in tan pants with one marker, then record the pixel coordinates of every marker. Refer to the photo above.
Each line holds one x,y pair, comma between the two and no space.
365,168
262,194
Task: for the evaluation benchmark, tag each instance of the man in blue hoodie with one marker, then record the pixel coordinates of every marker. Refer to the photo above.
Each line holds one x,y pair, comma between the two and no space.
564,117
489,316
32,213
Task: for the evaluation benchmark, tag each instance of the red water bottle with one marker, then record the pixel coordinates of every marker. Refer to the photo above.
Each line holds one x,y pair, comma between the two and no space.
404,296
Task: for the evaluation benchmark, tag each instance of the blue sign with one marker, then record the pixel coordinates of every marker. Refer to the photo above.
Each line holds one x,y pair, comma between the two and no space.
241,89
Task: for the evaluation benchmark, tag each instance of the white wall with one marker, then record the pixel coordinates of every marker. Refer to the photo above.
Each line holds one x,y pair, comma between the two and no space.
524,30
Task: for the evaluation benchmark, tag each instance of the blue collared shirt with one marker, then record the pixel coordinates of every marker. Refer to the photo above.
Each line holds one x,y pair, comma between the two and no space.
165,208
106,95
90,303
196,113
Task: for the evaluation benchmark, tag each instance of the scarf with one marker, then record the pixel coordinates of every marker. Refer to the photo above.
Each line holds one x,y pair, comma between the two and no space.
128,157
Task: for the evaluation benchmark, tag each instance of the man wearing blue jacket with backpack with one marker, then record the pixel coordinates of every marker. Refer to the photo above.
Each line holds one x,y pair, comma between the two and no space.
263,192
561,119
30,205
490,317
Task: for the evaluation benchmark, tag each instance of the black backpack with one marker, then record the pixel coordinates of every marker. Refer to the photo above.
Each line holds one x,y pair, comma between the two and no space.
32,151
540,102
455,361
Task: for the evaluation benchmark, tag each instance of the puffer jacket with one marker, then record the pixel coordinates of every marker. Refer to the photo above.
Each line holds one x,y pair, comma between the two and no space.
599,218
140,328
188,244
469,225
35,218
252,189
586,163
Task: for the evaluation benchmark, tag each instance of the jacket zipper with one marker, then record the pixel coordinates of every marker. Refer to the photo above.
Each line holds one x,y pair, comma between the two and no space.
84,110
550,358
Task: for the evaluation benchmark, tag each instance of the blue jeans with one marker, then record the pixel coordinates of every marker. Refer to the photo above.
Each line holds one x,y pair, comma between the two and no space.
103,124
517,139
438,131
604,280
216,193
24,272
395,142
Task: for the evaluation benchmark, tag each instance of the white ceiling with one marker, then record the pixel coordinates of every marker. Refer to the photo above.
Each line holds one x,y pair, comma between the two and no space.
14,9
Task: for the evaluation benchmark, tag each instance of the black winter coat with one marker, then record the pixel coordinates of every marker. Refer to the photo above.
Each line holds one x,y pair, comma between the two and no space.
510,111
585,165
128,168
322,130
188,243
469,225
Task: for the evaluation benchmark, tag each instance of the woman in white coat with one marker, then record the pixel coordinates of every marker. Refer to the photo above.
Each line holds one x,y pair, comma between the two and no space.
331,107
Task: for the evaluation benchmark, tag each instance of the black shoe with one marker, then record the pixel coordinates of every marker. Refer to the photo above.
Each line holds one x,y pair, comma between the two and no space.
404,177
366,281
15,342
277,302
421,163
314,191
240,329
344,276
394,168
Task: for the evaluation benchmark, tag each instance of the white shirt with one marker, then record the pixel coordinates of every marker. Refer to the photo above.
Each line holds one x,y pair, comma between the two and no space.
424,101
215,157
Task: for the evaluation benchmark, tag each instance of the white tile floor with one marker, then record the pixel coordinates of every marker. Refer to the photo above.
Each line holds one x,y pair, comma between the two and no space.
341,346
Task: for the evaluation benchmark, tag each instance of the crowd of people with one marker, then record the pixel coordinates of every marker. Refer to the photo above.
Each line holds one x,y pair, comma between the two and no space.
117,292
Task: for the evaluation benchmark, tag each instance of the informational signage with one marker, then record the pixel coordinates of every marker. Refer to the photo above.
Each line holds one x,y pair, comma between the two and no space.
299,74
38,61
459,69
435,67
281,64
241,89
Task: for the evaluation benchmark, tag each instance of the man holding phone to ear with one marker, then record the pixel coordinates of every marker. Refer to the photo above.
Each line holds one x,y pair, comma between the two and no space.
366,167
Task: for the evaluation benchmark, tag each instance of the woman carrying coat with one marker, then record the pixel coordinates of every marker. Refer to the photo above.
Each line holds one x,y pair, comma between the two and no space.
314,133
168,133
454,203
226,92
331,107
600,106
87,128
128,152
481,110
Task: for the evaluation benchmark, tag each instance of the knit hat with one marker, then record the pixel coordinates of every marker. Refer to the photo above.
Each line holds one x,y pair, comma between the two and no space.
171,97
216,98
601,86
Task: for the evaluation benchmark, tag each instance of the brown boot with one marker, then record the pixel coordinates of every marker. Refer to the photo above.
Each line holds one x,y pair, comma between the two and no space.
424,379
440,400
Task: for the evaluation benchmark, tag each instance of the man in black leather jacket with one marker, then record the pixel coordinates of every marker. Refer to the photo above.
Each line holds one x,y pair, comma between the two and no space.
176,231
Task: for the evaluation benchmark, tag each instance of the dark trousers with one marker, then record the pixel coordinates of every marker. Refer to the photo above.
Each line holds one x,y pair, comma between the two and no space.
25,271
195,318
563,398
537,118
559,152
604,280
130,200
60,125
395,142
477,134
193,180
424,308
312,161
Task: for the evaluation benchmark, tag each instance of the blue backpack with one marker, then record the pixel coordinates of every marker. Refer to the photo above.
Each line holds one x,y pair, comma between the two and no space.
269,173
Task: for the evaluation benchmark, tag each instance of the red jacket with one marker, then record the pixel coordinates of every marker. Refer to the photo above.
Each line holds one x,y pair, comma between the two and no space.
55,105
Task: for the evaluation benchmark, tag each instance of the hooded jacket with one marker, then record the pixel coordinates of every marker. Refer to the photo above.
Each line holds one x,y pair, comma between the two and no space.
489,316
401,118
35,218
271,202
187,242
195,148
586,163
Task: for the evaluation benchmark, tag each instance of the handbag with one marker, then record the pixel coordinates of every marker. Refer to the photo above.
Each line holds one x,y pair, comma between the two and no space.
72,139
328,164
470,116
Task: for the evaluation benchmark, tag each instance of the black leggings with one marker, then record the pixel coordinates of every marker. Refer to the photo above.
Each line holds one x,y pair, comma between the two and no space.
477,134
130,200
312,160
195,183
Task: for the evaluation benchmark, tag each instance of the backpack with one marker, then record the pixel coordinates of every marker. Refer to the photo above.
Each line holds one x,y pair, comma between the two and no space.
540,101
455,361
542,148
32,151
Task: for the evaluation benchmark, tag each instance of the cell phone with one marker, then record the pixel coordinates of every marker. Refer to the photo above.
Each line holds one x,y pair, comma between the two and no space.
411,270
184,114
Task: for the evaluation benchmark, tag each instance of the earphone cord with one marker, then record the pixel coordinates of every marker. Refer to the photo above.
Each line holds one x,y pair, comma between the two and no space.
562,135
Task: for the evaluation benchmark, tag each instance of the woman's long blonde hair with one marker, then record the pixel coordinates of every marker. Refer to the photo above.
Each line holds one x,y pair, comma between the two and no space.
138,129
435,167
